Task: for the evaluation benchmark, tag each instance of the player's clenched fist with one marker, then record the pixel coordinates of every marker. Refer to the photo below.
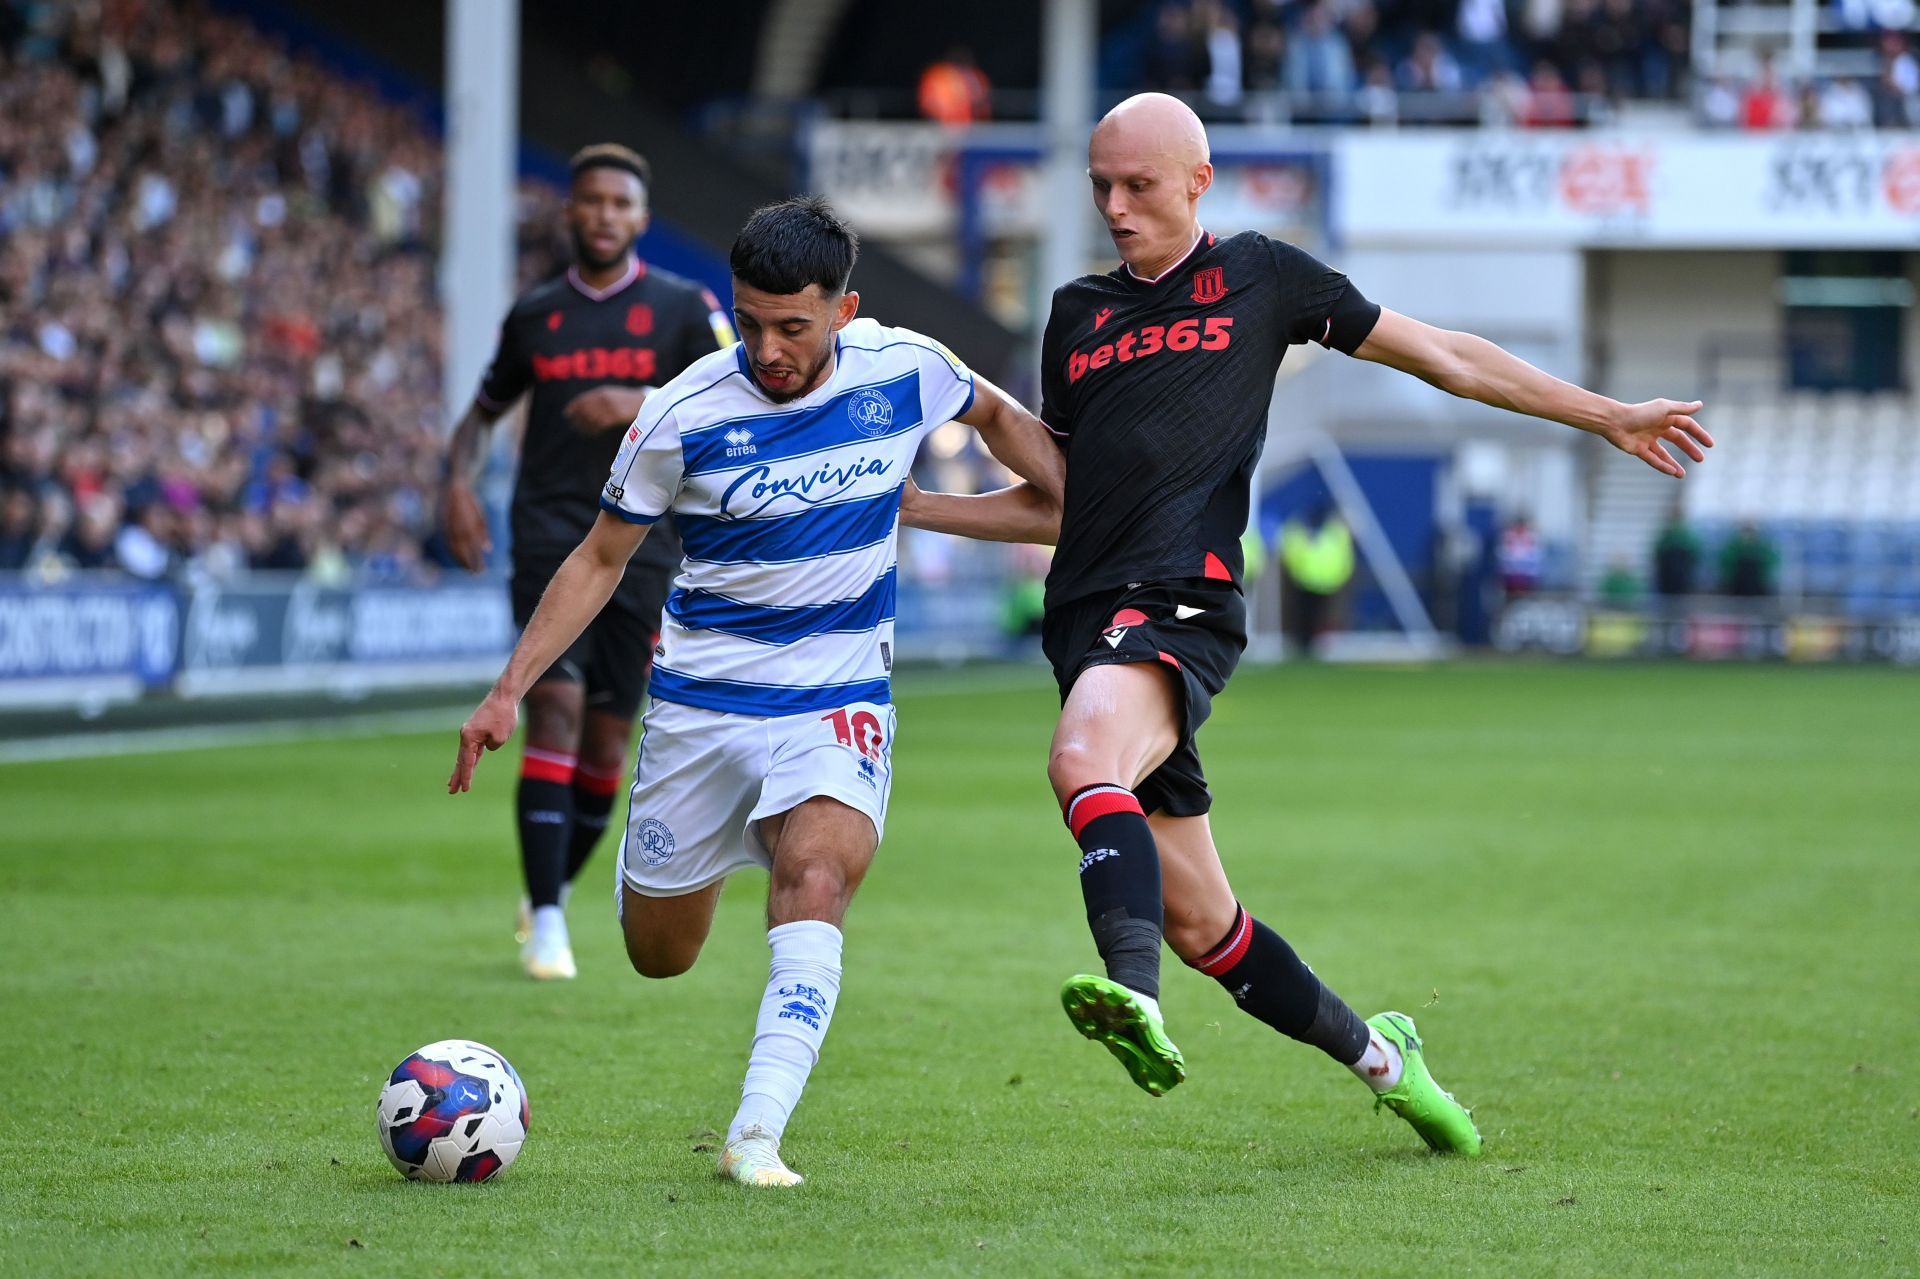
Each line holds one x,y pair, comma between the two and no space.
488,728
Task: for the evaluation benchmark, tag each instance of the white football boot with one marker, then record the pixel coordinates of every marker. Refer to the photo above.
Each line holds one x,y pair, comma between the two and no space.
548,953
523,917
753,1159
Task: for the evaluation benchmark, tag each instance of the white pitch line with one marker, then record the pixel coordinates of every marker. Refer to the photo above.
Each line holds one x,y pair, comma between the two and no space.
196,737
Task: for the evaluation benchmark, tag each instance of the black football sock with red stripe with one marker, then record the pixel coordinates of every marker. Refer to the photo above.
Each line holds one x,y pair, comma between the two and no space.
593,795
1267,979
1120,880
545,810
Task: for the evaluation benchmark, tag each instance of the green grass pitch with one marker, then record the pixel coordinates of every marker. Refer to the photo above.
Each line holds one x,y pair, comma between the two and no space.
1658,925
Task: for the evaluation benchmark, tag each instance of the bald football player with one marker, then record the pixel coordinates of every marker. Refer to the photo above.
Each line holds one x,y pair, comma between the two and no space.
1155,381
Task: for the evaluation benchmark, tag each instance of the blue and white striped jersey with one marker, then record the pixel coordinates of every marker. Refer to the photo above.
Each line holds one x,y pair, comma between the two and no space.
788,512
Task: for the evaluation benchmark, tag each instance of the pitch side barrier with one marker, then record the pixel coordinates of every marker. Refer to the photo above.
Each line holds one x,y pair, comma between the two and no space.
1707,628
87,641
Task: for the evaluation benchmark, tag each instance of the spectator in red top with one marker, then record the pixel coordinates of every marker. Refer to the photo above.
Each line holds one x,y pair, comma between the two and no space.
1767,104
1549,101
954,91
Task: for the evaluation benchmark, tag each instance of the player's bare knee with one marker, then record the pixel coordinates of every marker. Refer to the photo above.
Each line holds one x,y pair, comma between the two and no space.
809,886
603,744
604,763
1074,765
554,711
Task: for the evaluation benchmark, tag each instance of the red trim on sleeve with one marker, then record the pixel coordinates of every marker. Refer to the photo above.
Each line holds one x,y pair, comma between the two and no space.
1217,569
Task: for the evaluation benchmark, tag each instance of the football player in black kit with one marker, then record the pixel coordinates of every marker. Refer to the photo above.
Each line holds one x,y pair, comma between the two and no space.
588,345
1156,379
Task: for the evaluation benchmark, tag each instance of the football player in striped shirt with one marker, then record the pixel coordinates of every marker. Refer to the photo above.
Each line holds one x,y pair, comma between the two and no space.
769,741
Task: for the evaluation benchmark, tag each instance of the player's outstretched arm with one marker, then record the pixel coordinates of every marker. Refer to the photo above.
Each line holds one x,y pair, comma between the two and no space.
1017,439
573,598
1475,369
1021,513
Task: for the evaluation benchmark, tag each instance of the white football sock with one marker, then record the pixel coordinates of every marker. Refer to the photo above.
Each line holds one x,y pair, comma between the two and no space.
803,985
1381,1065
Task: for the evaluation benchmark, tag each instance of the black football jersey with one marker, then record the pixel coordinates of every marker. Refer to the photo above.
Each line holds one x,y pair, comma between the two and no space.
1158,392
563,338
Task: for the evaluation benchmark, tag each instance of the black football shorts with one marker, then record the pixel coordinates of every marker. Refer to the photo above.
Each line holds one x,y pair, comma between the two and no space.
1195,627
614,654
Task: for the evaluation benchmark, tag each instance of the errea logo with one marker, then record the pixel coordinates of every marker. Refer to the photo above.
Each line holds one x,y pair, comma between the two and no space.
740,442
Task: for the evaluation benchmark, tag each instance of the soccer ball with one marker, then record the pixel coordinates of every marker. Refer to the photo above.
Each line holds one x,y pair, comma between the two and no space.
454,1111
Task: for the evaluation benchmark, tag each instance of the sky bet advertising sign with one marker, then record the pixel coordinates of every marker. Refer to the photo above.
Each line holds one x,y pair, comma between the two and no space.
1522,189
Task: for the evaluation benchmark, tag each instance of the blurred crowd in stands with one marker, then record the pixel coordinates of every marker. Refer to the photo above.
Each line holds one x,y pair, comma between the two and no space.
1540,63
1770,100
220,347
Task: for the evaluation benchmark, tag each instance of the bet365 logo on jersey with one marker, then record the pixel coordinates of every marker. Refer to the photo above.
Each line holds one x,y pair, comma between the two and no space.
1214,333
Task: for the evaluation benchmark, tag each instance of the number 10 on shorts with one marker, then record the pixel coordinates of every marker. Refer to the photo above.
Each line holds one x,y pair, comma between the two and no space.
860,730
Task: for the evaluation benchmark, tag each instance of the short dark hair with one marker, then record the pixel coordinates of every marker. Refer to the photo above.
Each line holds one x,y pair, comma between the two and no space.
610,155
785,247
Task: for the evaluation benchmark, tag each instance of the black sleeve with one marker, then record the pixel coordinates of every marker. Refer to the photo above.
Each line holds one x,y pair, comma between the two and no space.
1054,414
508,377
1318,303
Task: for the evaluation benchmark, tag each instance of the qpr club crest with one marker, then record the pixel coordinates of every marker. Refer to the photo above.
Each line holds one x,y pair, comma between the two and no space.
655,841
870,412
1209,284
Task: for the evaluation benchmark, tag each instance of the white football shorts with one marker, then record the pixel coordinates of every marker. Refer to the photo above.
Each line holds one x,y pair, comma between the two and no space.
704,780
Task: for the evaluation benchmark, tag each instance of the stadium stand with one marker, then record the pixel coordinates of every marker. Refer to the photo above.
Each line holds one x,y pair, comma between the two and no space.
222,344
1354,61
1832,480
1835,482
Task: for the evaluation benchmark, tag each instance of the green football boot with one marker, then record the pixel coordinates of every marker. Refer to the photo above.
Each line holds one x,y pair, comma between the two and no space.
1129,1024
1442,1122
